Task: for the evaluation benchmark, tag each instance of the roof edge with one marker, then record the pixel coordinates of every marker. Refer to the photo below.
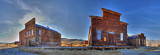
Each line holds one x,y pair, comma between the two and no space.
123,23
98,17
46,28
110,11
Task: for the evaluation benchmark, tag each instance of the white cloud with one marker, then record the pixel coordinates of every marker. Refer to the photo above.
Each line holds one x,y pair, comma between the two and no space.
12,34
23,5
30,15
34,12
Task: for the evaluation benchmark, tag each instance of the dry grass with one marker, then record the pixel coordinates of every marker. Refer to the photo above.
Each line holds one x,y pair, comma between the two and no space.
69,52
8,45
5,46
74,43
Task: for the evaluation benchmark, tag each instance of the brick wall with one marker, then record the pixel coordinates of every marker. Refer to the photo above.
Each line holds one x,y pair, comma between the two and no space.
48,36
22,38
109,22
33,38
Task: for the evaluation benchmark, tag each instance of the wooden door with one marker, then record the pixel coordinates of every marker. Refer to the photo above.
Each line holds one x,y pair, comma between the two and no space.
111,39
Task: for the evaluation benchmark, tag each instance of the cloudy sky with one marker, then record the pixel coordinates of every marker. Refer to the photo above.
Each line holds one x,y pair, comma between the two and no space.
71,17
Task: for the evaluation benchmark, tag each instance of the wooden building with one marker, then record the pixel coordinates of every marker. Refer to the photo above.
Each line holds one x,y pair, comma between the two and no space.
137,40
107,30
38,35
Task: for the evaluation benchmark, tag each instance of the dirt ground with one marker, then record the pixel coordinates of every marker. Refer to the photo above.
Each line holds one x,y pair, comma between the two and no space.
136,51
70,52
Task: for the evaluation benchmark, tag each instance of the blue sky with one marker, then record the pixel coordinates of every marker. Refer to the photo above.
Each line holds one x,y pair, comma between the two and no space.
71,17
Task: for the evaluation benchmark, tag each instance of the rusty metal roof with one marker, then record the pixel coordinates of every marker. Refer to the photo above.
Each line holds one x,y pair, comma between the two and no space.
132,37
45,28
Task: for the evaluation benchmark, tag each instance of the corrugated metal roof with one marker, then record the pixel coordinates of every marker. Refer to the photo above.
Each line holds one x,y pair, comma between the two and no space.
132,37
45,28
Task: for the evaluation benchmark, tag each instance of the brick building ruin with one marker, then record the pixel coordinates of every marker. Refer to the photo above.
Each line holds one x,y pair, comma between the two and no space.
107,30
38,35
137,40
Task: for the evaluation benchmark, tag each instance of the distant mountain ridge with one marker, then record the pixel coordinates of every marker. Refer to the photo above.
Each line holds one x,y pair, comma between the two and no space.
69,40
72,42
3,42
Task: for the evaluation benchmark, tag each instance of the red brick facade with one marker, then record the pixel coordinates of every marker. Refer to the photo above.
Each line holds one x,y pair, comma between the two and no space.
37,35
22,37
109,22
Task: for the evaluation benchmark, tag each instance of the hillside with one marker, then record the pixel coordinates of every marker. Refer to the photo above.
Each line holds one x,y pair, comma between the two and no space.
72,42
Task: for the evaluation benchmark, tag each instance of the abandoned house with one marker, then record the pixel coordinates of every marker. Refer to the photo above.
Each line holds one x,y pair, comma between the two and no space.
137,40
107,30
38,35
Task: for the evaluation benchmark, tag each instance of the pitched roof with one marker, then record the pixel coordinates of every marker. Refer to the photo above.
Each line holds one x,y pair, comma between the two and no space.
45,28
110,11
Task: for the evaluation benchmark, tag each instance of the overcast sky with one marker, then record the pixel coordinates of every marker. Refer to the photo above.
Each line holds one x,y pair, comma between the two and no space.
71,17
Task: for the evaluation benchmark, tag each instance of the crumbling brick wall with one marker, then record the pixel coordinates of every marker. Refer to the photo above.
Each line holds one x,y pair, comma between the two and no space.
109,22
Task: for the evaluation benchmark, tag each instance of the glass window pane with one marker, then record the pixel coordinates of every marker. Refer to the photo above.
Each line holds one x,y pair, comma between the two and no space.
39,31
32,31
121,36
104,38
29,32
111,32
99,34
